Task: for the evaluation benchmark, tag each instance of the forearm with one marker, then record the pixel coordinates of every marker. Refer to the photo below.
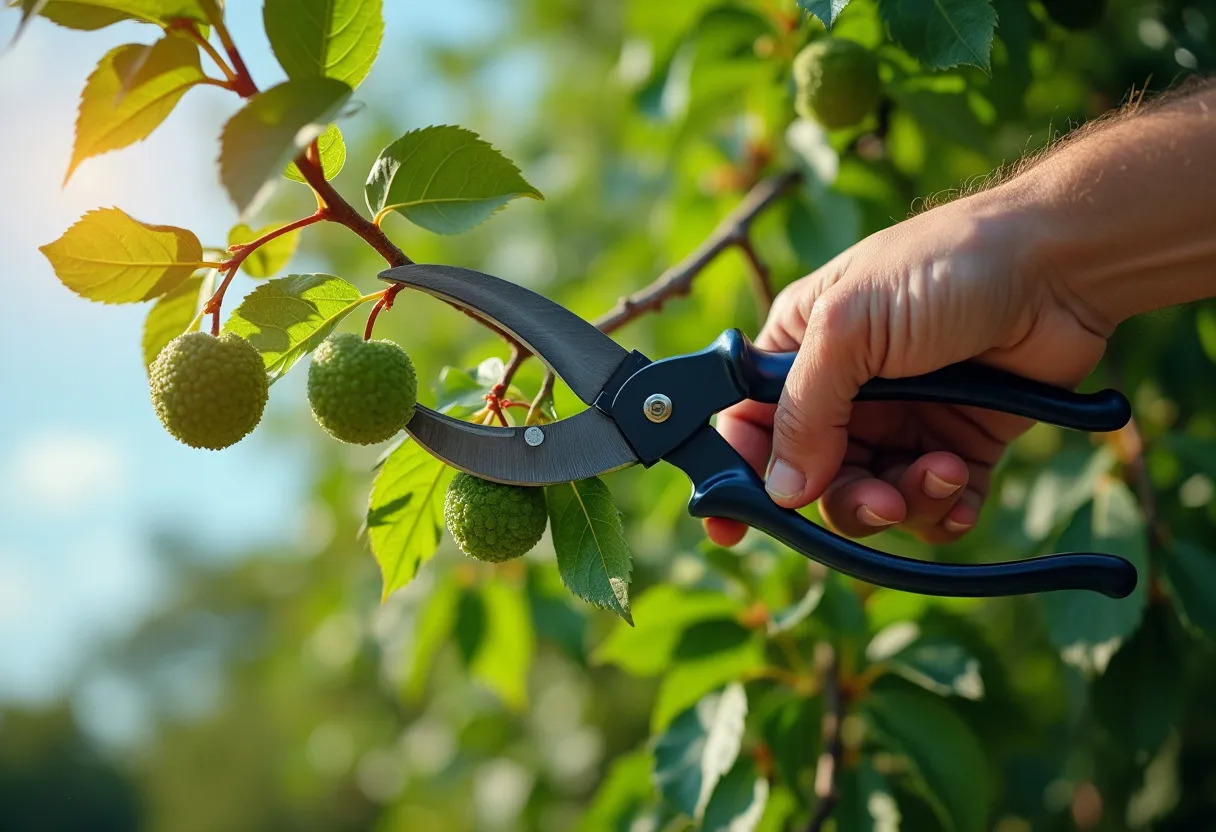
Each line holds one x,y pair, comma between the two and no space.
1124,217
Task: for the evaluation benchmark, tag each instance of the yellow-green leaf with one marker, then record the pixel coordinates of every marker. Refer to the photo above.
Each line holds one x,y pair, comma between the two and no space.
444,179
132,90
174,313
287,318
333,155
504,653
273,127
405,513
332,38
268,258
109,257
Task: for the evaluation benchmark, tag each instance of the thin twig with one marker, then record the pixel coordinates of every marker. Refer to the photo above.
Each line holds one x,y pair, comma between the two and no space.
827,770
762,286
546,392
677,280
517,357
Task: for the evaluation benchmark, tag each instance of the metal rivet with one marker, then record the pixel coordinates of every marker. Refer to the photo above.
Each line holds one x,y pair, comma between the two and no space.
534,436
657,407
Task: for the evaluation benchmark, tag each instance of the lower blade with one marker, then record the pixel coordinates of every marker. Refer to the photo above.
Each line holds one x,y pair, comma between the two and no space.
571,449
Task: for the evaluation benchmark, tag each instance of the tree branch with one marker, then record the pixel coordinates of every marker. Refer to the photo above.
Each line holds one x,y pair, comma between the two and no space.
827,771
677,280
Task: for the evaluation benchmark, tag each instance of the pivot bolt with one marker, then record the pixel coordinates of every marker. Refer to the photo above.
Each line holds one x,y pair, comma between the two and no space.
534,436
657,407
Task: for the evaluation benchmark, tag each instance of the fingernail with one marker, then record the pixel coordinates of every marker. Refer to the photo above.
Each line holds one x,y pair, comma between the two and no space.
784,481
866,515
938,488
954,526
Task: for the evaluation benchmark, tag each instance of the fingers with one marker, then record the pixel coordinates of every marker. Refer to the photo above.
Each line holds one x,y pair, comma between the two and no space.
809,425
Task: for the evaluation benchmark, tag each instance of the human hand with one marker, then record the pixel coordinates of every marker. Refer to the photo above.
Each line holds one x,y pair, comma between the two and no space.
958,282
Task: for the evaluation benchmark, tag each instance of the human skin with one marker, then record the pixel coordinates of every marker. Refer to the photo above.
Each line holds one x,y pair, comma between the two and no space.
1032,276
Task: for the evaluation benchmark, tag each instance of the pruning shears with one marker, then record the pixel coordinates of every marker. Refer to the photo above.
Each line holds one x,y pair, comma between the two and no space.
643,411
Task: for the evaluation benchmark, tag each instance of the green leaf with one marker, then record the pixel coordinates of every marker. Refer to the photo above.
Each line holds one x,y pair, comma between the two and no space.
95,14
1205,325
793,731
272,129
787,619
621,795
461,393
948,114
1061,489
175,312
866,803
268,258
333,155
592,555
504,655
1141,694
77,15
109,257
289,317
1086,626
405,513
434,624
1190,571
826,10
444,179
738,801
663,614
708,655
942,33
132,90
936,664
331,38
701,746
948,762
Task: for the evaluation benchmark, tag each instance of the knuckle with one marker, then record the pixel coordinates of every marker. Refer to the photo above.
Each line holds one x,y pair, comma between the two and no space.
790,424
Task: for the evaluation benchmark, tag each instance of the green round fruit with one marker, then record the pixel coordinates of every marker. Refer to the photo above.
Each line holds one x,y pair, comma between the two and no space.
492,521
361,392
837,82
209,392
1075,14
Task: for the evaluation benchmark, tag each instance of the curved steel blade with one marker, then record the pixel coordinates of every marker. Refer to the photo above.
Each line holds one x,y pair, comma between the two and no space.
579,353
570,449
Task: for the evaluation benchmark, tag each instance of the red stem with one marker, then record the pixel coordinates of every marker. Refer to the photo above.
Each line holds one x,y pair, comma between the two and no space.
385,302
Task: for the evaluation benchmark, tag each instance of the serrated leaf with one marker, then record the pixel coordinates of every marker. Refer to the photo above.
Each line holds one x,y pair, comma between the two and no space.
405,513
1085,626
173,314
826,10
268,258
76,15
332,148
132,90
95,14
504,654
663,614
592,555
444,179
1190,571
289,317
107,256
949,767
272,129
701,746
331,38
942,33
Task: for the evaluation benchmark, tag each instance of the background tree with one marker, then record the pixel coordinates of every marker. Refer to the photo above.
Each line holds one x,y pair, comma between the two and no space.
683,167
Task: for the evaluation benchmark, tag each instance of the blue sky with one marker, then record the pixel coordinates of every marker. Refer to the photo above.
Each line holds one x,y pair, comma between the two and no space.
86,472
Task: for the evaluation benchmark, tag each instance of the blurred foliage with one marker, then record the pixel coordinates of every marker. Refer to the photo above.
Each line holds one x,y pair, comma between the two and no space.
277,692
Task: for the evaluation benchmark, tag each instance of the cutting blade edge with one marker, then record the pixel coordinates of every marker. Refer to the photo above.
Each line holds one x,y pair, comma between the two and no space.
580,354
585,445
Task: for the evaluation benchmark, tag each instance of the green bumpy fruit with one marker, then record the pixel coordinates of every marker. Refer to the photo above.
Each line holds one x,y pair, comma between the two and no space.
209,392
361,392
491,521
837,81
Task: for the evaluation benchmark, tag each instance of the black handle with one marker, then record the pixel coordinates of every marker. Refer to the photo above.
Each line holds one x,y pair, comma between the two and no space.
761,376
724,485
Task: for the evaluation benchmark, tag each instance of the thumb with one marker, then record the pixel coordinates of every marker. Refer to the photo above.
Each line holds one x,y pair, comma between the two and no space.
809,425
